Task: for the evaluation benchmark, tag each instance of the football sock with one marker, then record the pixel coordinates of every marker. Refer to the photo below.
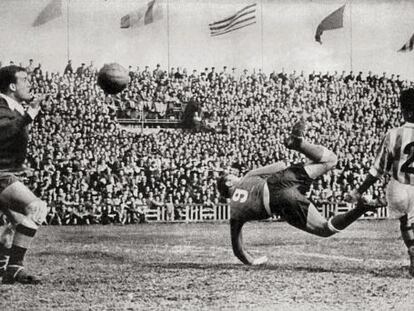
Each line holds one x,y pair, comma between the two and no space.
407,231
341,221
21,243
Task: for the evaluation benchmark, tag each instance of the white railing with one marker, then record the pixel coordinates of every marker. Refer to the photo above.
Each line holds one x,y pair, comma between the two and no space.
188,213
328,209
201,213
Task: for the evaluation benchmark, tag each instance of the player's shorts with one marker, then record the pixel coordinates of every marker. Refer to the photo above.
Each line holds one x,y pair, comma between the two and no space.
400,199
14,195
287,194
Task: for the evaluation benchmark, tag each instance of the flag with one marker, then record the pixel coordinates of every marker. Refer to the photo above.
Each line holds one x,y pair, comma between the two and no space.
51,11
334,20
408,46
243,18
143,16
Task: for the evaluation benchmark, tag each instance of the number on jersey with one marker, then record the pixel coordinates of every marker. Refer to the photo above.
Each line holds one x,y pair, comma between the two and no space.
406,167
240,195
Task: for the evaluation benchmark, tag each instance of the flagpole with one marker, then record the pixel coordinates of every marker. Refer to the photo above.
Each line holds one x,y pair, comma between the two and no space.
168,37
350,21
67,30
261,29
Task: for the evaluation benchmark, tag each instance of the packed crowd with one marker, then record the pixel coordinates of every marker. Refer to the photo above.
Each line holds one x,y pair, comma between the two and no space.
90,170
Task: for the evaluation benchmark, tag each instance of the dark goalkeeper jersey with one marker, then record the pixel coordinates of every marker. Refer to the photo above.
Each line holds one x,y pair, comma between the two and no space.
13,136
259,197
248,198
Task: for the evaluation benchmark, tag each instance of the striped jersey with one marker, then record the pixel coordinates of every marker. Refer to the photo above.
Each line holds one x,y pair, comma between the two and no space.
396,155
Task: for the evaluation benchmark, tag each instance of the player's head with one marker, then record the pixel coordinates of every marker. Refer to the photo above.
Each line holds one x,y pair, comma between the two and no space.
15,82
407,104
225,185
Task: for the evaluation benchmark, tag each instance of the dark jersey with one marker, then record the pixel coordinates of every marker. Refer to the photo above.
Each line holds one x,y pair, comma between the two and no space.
13,136
247,199
286,195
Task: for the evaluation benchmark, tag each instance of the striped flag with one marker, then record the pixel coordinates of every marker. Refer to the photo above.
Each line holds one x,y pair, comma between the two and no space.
143,16
334,20
243,18
408,46
51,11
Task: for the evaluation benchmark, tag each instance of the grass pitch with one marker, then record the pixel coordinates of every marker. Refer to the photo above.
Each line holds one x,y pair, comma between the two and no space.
191,267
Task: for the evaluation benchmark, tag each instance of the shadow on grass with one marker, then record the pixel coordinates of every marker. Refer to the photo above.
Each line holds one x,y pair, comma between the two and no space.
394,272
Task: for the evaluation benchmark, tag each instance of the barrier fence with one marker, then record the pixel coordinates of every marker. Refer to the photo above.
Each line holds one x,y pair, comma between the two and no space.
185,213
221,212
188,213
328,209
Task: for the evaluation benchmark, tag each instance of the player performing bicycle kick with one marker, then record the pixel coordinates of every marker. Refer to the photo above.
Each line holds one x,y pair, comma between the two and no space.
280,190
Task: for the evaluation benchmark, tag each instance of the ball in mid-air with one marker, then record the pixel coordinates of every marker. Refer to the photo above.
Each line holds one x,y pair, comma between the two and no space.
113,78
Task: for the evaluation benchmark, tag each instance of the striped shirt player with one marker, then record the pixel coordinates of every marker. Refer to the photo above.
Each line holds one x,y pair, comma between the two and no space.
395,157
280,190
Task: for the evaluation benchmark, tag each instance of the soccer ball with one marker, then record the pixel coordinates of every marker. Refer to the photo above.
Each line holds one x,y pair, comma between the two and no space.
113,78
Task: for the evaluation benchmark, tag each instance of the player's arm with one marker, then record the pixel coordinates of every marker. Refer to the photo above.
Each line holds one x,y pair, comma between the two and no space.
382,165
237,244
268,169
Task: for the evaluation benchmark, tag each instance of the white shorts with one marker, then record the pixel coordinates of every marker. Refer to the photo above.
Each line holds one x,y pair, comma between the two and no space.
400,198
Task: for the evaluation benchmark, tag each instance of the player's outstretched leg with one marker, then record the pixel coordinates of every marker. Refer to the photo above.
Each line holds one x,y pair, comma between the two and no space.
322,159
318,225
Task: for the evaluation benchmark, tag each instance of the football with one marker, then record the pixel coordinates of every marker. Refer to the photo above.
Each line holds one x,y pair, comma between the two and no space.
113,78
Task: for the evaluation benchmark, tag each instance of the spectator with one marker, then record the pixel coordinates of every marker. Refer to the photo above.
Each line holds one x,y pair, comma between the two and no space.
77,147
68,68
30,68
81,70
